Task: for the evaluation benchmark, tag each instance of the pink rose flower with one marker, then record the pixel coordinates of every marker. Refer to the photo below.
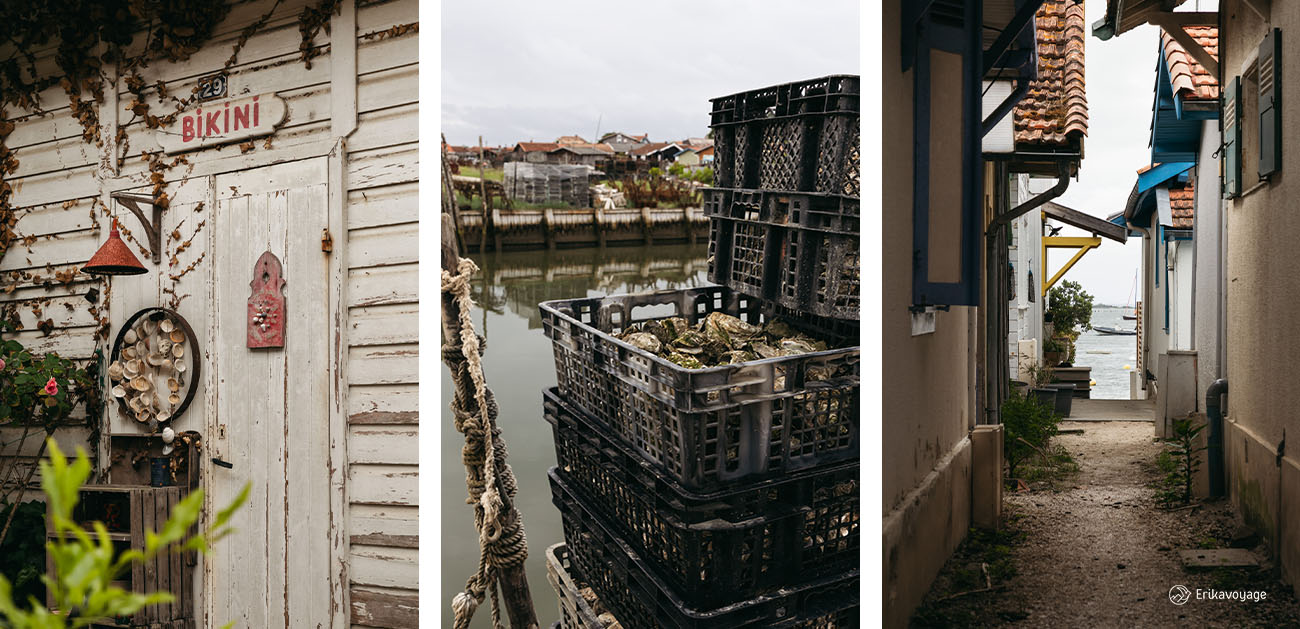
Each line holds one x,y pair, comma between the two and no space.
51,387
2,363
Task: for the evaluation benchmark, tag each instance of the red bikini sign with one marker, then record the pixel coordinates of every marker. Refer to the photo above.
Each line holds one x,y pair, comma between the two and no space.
223,122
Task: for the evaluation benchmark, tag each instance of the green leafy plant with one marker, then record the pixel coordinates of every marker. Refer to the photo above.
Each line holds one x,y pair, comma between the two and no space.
656,171
703,175
85,562
1027,426
1054,344
37,394
1039,375
676,170
1070,307
1181,461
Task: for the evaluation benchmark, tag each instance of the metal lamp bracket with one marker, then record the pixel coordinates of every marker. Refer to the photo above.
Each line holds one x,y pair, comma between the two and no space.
152,229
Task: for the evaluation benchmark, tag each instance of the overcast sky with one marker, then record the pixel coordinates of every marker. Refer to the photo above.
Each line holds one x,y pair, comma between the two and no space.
1120,76
518,71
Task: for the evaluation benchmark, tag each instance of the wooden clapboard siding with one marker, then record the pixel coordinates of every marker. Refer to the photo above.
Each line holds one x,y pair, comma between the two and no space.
379,259
382,258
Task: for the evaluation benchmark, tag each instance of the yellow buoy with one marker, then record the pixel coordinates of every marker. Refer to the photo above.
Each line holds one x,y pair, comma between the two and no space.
1092,383
1128,367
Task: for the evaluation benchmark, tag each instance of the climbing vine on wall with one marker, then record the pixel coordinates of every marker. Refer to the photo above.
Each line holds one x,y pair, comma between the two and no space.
99,45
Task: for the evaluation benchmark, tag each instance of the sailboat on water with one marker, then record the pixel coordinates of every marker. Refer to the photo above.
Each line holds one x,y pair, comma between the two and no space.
1132,305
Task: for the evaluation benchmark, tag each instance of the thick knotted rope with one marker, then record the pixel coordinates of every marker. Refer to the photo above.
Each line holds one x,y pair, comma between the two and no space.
502,544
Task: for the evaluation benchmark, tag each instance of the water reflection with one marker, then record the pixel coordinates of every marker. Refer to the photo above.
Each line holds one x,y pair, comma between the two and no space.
519,364
518,281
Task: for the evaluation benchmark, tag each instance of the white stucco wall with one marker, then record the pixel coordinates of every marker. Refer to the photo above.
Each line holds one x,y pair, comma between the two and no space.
1026,316
1208,305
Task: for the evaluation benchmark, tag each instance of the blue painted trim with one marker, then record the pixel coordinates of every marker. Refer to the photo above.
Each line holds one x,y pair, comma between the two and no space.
1161,173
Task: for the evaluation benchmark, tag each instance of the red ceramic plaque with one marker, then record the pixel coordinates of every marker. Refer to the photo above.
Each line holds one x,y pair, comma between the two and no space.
266,304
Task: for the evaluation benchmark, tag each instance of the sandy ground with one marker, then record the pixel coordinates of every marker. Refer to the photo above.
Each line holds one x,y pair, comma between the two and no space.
1097,551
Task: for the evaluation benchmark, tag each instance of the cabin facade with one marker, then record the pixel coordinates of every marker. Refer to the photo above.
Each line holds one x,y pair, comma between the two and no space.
324,427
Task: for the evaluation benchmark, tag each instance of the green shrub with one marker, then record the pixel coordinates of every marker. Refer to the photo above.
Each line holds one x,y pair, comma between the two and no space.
1180,462
1070,308
86,563
1027,426
22,553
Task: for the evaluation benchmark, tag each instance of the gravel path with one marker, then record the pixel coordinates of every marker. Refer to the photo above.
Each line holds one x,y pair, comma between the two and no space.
1099,552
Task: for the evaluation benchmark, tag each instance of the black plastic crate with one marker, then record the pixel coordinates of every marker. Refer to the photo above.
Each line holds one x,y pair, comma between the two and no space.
638,597
704,428
803,525
799,250
798,136
575,612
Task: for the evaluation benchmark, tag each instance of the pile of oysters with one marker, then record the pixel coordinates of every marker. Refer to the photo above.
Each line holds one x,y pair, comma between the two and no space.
150,369
719,339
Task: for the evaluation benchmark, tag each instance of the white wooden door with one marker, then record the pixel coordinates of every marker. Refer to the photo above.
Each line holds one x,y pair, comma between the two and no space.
269,414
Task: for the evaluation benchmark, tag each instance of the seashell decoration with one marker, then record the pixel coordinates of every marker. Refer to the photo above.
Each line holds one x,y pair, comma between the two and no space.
151,354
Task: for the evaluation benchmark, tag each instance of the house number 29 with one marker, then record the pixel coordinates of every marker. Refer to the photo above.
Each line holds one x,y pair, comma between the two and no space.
211,87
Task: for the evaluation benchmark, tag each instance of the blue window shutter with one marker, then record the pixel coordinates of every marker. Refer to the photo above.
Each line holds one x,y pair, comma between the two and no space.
1270,104
1232,139
950,27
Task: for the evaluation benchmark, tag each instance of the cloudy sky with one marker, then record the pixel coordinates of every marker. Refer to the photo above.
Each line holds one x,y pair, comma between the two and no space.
1120,76
517,71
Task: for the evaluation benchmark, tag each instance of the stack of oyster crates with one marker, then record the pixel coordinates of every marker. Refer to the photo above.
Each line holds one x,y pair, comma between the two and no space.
707,439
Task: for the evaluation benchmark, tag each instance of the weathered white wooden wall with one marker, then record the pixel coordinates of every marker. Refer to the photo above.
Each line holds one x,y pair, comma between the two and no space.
373,185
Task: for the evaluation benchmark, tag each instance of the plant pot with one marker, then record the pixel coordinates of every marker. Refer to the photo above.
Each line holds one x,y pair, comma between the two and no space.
1064,397
1045,396
1020,386
1053,359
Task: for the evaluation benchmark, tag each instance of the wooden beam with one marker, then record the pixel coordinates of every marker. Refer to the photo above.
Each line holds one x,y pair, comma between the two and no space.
1086,222
1064,242
1174,26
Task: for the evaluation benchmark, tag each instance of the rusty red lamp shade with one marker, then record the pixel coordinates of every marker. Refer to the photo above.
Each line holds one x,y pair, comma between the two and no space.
114,258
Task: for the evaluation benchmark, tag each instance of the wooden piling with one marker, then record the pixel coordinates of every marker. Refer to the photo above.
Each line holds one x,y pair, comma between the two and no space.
486,222
451,198
518,599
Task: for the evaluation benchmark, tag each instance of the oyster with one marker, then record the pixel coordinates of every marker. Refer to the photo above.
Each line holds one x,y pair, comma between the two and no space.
763,350
644,340
178,350
119,391
173,385
155,359
115,370
179,368
177,337
738,356
659,330
130,337
685,360
132,368
778,329
129,352
141,383
675,326
166,326
730,330
690,342
174,399
801,345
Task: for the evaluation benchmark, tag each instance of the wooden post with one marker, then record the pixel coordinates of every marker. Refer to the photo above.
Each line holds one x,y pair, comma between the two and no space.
598,216
645,222
451,199
482,186
690,231
514,581
548,215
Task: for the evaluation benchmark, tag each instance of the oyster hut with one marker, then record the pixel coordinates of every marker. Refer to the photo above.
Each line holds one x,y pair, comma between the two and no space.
253,166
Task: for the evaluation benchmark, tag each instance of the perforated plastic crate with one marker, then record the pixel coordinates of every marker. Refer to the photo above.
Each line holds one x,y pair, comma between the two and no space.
718,547
799,250
797,136
639,597
704,428
575,612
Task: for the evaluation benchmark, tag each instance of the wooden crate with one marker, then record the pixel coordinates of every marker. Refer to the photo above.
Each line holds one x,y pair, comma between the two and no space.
128,511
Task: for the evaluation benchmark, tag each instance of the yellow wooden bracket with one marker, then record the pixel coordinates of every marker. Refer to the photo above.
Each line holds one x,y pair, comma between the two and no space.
1082,243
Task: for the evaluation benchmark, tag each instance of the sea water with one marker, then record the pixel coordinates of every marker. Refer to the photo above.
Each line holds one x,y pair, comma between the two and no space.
1110,356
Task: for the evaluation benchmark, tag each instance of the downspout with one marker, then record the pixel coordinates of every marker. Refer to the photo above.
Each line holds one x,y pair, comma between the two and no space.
1214,443
1062,182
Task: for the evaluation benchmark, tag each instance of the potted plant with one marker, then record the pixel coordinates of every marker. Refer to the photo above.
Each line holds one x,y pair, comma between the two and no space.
1064,396
1054,351
1040,376
1069,308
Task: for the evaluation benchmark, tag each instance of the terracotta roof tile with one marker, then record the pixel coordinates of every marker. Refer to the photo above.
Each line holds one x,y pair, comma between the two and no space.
529,147
1190,79
1182,205
1054,112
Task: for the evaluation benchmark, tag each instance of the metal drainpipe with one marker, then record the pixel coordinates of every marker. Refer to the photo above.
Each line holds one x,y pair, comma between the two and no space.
1062,182
1214,412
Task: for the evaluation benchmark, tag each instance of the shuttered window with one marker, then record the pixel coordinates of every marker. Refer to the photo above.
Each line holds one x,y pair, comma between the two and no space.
1270,104
947,215
1232,139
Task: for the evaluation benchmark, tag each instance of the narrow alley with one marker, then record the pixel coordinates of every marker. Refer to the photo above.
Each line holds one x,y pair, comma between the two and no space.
1095,548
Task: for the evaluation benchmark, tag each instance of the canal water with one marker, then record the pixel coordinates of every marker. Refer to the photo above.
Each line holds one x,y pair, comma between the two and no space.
519,364
1108,354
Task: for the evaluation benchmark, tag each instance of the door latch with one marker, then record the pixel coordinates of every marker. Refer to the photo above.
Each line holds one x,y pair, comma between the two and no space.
326,241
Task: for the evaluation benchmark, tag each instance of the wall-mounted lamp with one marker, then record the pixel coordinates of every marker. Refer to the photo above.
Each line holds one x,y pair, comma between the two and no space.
114,256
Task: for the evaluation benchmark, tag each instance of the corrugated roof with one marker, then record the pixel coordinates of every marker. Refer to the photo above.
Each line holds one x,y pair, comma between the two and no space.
1182,205
1055,110
1189,78
646,149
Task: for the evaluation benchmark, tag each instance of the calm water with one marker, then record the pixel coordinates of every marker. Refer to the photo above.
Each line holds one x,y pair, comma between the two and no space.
1107,354
519,365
